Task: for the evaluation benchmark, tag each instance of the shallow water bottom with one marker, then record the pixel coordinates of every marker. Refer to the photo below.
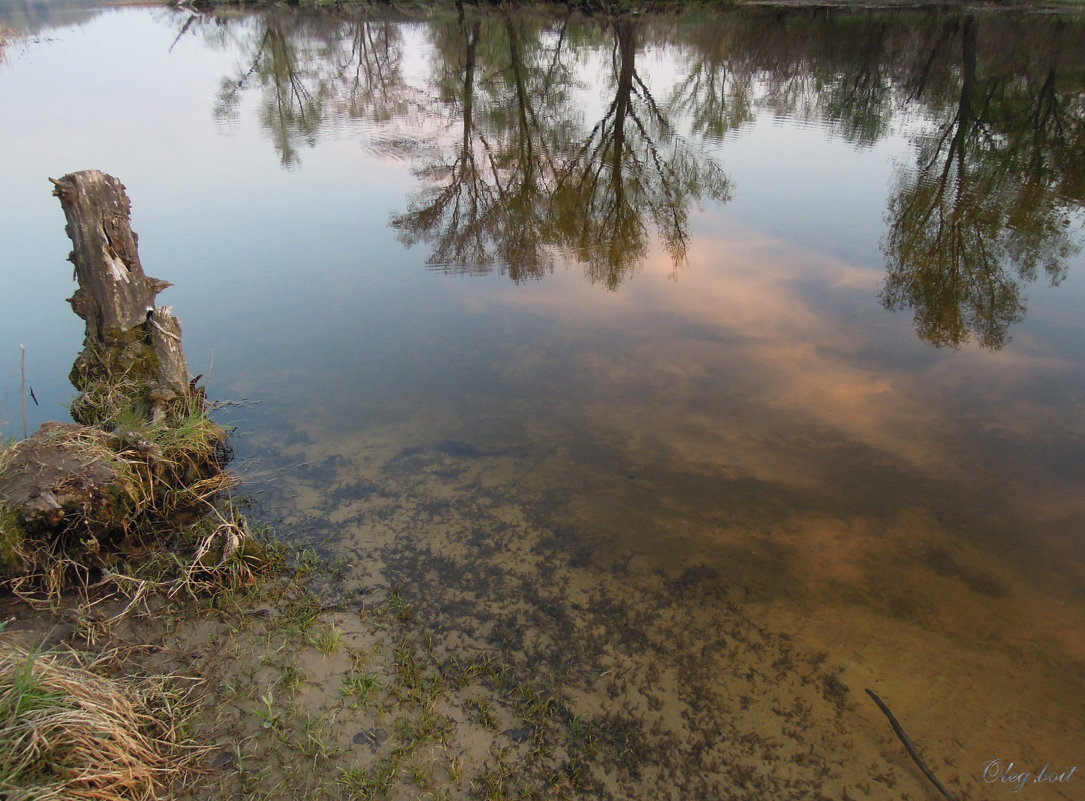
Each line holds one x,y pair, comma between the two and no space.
724,648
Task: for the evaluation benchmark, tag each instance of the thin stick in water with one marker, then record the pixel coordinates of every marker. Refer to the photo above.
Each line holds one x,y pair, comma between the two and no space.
912,752
22,391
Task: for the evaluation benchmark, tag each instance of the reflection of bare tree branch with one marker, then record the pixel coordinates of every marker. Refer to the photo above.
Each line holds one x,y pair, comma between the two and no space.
981,215
631,166
184,29
506,143
230,89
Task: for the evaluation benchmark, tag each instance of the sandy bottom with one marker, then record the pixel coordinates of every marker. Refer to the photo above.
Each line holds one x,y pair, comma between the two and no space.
674,657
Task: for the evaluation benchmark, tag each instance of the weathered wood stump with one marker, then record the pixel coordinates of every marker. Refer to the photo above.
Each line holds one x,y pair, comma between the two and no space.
142,450
132,351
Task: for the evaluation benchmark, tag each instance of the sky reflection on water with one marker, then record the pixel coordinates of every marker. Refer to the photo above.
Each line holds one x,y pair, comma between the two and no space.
705,368
805,341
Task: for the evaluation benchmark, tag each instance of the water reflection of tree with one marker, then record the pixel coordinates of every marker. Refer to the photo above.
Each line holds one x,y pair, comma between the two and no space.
369,74
311,70
485,198
835,70
520,174
522,180
632,165
717,92
998,173
988,207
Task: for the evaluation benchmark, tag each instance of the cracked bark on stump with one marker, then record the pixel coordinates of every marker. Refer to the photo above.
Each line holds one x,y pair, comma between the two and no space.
128,339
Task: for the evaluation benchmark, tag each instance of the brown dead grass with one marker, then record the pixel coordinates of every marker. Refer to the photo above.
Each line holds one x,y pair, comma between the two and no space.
69,732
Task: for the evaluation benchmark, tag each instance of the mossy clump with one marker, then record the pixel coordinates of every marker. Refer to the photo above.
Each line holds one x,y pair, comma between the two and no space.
132,501
118,375
12,553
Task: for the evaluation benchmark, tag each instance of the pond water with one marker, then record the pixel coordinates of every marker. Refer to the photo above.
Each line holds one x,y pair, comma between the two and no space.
718,366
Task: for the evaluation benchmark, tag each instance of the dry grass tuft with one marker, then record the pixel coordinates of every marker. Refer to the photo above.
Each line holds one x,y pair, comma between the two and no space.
7,36
67,732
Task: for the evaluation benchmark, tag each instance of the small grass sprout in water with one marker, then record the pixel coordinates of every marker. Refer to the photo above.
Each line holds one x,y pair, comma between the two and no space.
267,712
358,685
326,638
373,782
483,712
291,677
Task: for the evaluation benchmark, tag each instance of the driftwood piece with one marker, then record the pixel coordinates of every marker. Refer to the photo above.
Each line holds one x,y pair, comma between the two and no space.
909,746
128,339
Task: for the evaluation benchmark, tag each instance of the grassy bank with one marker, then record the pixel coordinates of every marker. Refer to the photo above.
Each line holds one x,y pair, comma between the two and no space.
295,687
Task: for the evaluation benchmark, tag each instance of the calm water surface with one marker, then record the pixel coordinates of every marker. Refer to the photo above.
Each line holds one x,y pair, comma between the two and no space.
767,311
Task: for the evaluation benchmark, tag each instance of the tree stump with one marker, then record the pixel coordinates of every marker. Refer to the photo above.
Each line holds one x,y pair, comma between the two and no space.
132,357
143,456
